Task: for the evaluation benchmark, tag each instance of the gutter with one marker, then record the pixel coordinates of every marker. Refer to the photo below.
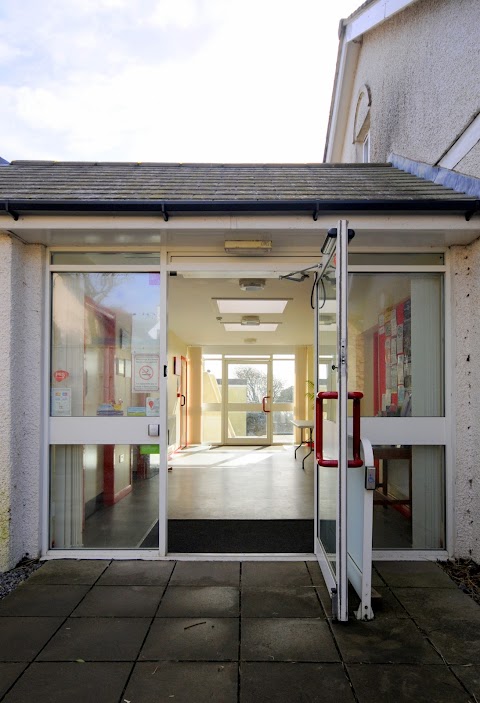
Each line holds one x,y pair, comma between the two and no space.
165,208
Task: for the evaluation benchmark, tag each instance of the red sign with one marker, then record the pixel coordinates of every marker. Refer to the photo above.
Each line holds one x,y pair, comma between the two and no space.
60,375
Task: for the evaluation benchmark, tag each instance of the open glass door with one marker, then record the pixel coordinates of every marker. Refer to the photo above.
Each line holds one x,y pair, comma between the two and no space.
331,418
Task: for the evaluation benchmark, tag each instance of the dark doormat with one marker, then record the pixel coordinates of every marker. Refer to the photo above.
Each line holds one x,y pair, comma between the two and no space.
230,536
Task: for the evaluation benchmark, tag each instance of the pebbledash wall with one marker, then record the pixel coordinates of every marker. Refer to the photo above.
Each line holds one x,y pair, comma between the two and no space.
421,70
22,271
465,267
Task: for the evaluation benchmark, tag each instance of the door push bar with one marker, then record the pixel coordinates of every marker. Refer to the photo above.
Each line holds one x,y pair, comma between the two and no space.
356,396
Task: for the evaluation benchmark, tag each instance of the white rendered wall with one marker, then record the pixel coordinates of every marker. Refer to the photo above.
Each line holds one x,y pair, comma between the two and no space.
466,336
422,68
21,314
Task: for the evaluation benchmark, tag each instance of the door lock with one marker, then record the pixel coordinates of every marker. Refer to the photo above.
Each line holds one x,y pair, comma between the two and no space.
154,430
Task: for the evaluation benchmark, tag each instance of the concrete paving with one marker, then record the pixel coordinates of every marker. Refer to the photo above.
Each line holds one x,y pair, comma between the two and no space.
230,632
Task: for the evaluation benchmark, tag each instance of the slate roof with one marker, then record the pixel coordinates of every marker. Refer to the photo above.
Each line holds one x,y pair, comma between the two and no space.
37,183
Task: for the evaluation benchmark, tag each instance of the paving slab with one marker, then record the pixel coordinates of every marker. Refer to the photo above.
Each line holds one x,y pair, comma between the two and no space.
22,638
325,599
274,573
192,639
97,639
383,641
9,673
206,573
406,683
42,600
458,641
137,573
76,683
419,574
200,601
69,571
437,604
287,639
279,682
120,601
469,675
183,682
388,605
315,572
301,602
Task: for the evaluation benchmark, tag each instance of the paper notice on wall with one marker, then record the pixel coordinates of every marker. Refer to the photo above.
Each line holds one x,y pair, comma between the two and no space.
400,339
152,407
393,322
146,373
61,402
387,350
393,348
400,371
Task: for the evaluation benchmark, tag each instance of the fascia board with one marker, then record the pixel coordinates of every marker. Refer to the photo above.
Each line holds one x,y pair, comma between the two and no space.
462,146
372,16
341,99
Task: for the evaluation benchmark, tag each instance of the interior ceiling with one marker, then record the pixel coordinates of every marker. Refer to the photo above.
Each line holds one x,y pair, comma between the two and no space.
192,312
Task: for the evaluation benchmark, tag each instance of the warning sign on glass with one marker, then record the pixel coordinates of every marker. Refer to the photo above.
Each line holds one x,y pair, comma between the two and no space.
146,373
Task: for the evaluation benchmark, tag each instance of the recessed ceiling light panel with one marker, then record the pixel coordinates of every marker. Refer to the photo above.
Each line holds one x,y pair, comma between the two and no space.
256,306
262,327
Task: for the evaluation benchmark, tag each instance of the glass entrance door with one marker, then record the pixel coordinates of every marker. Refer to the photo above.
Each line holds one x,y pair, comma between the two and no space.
248,402
104,424
331,415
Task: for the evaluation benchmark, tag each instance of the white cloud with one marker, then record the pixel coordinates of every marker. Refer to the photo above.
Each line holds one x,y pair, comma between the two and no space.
177,13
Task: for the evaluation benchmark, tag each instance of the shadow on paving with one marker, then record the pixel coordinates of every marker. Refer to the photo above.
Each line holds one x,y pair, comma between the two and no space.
233,632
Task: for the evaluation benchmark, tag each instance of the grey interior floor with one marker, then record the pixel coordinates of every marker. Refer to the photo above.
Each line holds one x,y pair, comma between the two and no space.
249,483
234,632
241,483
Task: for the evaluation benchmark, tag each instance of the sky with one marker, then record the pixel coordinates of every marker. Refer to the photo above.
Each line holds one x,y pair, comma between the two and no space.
167,80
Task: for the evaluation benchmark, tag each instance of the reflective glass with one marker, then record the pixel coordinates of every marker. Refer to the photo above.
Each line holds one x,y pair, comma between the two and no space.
409,502
395,350
105,344
104,496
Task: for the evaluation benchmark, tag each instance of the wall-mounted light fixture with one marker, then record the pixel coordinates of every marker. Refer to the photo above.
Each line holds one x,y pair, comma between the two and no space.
248,247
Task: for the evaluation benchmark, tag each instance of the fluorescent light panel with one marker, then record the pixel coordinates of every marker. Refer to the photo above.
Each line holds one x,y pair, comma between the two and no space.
238,327
257,306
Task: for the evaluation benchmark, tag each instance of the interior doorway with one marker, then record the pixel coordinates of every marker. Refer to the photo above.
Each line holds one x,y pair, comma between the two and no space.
237,486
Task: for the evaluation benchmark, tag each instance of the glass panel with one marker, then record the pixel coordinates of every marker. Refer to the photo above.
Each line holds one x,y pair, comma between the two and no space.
212,426
247,383
327,478
409,503
104,496
396,343
283,380
396,259
105,344
246,424
86,258
212,380
282,426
